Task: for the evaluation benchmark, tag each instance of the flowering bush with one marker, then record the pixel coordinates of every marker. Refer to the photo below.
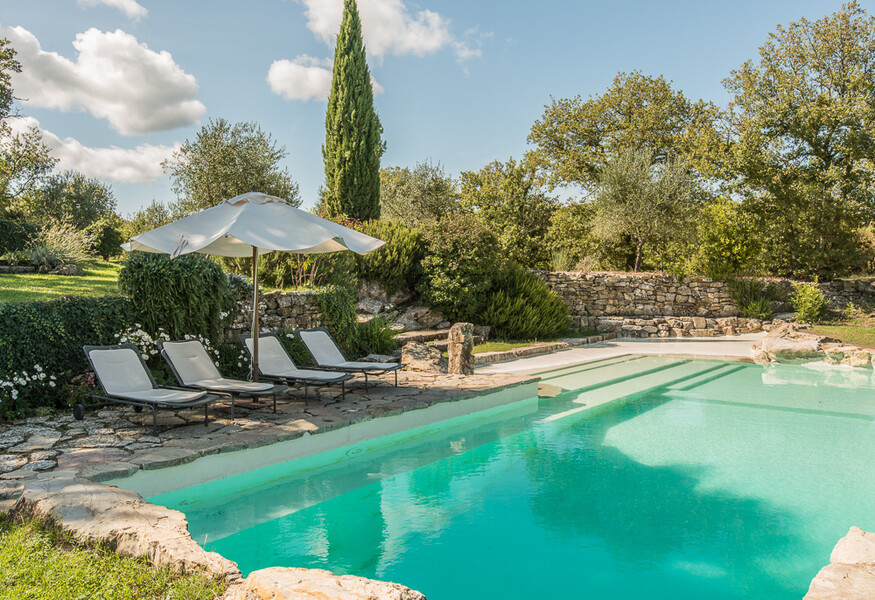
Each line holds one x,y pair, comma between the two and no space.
147,345
24,389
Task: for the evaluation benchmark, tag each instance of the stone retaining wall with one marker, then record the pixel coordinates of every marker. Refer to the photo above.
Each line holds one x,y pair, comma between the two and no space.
277,311
640,294
655,305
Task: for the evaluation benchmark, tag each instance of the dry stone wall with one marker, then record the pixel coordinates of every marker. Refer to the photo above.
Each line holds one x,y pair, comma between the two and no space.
641,295
277,311
655,305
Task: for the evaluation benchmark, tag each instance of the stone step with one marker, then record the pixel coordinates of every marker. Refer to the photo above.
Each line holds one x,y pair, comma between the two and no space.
422,336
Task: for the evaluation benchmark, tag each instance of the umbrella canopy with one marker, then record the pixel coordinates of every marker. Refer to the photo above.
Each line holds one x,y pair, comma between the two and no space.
252,220
252,224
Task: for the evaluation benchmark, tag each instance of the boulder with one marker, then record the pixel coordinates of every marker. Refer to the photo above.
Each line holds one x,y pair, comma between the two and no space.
286,583
461,349
369,306
421,357
785,342
851,572
74,270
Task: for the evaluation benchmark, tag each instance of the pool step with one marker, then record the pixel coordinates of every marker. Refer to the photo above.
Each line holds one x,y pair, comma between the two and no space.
670,375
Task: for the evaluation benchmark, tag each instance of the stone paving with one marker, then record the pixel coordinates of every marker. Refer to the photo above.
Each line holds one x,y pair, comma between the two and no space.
115,441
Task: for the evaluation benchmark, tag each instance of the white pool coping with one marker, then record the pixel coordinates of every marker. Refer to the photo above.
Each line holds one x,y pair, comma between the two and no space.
734,347
216,466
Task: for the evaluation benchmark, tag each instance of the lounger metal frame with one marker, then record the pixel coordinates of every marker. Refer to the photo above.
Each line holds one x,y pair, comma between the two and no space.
364,371
106,398
289,381
232,395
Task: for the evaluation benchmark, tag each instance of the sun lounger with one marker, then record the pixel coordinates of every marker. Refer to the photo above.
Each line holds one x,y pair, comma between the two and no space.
125,379
193,368
327,355
275,364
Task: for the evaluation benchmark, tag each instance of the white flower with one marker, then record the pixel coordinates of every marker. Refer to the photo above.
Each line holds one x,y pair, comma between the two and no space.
51,384
14,394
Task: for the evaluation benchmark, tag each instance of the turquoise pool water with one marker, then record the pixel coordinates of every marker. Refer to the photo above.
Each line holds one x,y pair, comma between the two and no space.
688,479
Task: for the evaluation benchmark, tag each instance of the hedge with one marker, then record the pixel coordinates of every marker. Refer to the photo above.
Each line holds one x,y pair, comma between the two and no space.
41,345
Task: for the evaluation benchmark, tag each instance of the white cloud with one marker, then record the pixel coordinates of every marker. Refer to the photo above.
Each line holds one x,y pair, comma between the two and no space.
305,78
114,78
123,165
129,7
388,27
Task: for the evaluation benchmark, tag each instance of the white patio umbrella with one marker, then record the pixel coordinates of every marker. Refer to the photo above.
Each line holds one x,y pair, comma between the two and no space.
252,224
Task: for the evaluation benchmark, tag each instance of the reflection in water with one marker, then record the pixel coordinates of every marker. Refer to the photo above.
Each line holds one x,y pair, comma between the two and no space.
712,487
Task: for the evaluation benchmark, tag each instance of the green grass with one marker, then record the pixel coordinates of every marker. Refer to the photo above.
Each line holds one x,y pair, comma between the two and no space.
36,564
857,335
505,345
100,279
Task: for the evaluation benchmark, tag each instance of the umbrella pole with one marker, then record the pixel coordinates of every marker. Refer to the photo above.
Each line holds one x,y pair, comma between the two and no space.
254,313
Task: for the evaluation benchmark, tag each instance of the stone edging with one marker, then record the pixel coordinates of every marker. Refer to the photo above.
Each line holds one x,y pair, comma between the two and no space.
542,348
851,572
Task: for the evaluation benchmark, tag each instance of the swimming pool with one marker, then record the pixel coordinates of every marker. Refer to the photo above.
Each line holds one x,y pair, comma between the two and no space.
648,476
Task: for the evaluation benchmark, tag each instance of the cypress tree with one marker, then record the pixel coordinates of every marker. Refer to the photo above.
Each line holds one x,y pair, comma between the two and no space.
352,147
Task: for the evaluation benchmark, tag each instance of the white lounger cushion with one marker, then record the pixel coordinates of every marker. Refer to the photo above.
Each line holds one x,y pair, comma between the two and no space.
194,367
191,361
327,354
163,396
322,347
232,385
122,375
364,366
274,361
120,371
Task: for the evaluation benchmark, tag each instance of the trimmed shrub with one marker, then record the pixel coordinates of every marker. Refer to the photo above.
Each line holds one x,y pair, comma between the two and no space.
41,347
16,235
188,295
521,306
461,260
808,301
397,265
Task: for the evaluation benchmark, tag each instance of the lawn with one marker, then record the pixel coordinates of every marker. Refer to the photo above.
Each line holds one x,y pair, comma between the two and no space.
100,279
855,327
505,345
35,564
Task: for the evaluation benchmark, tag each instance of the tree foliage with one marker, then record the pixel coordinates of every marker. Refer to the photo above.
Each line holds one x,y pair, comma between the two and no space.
225,160
68,196
642,201
353,146
506,197
802,120
413,196
569,237
24,158
577,138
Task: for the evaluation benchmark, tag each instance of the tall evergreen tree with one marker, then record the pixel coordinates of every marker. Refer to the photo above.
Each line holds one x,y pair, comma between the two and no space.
352,147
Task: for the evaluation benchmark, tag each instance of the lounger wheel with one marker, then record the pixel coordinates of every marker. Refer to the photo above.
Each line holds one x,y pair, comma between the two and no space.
79,412
138,409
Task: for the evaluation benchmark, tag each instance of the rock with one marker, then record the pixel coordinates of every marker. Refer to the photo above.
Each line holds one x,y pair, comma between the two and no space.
461,349
379,358
482,331
74,270
285,583
372,290
95,514
786,343
369,306
860,358
430,319
699,323
11,462
400,297
420,357
850,575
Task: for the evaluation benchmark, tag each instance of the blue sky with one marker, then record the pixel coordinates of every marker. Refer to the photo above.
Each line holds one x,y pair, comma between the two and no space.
115,84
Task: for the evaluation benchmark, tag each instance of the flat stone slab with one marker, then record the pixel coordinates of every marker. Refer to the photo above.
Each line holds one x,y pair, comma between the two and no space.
284,583
851,574
89,457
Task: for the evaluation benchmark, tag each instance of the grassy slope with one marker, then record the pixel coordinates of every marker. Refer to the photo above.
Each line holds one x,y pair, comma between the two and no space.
35,565
856,327
100,278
